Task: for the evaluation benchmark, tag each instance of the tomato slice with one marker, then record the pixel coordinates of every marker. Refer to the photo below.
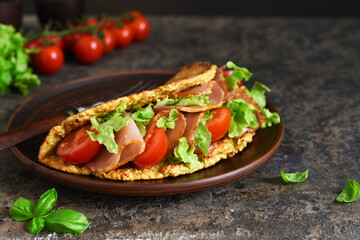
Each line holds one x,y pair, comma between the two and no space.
219,124
155,149
77,147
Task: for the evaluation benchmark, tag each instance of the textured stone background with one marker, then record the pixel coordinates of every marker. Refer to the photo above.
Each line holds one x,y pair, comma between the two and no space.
313,68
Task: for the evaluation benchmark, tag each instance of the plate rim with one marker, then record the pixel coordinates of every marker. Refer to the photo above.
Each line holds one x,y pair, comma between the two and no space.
128,188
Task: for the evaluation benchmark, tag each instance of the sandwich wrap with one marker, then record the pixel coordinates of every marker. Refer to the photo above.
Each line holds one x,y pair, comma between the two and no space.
198,79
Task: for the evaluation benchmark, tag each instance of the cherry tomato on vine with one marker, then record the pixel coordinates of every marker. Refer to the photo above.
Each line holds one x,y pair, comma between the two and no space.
141,28
77,147
53,40
135,13
70,40
88,49
49,60
32,45
155,150
123,36
109,41
219,124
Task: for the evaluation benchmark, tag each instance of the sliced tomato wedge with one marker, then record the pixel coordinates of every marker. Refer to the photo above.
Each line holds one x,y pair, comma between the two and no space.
155,149
219,124
77,147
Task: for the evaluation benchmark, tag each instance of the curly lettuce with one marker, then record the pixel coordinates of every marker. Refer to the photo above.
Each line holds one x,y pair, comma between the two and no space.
185,154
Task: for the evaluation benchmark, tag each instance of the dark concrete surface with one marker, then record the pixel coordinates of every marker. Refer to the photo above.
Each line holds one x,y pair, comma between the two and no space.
313,68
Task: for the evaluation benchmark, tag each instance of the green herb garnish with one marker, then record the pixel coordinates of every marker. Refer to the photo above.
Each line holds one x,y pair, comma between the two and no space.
43,215
294,177
350,193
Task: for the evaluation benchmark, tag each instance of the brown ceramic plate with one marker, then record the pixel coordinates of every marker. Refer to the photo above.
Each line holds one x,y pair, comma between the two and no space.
88,90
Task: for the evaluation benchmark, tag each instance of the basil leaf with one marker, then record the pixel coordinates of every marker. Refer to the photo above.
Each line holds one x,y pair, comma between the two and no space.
36,225
294,177
66,221
46,202
22,209
238,75
350,193
202,134
168,122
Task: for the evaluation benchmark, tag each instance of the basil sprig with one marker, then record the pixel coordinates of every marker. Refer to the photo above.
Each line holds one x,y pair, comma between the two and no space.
294,177
43,215
350,193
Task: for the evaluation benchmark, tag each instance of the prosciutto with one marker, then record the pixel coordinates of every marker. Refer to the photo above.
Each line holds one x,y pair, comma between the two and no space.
192,123
198,90
130,143
216,98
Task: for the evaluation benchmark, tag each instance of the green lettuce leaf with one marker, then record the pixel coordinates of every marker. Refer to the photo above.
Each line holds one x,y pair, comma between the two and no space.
14,70
142,117
238,75
202,134
184,154
106,127
270,118
257,92
242,116
168,122
190,100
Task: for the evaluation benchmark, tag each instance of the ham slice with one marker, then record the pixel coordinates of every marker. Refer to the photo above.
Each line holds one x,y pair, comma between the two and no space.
198,90
216,96
130,144
219,78
192,123
173,134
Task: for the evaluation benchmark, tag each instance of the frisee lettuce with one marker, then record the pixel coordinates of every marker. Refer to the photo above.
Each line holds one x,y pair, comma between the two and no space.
190,100
238,75
202,134
107,125
142,117
14,70
184,154
168,122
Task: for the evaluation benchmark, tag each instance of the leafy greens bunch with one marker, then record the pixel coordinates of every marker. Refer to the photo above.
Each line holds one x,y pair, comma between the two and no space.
14,69
43,215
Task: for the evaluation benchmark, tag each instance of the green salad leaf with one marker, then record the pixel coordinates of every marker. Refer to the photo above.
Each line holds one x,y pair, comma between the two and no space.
202,134
14,70
184,153
190,100
242,116
142,117
294,177
238,75
270,118
107,125
42,215
350,193
168,122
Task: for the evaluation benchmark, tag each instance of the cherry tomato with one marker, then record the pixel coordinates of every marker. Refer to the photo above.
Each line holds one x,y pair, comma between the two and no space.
219,124
88,49
141,28
135,13
49,60
54,40
32,45
228,73
70,40
155,150
109,41
77,147
123,36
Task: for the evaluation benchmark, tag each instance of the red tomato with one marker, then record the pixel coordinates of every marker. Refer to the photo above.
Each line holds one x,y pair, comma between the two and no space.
109,41
32,45
135,13
88,49
54,40
219,124
228,73
155,150
70,40
123,36
49,60
77,147
141,28
91,21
